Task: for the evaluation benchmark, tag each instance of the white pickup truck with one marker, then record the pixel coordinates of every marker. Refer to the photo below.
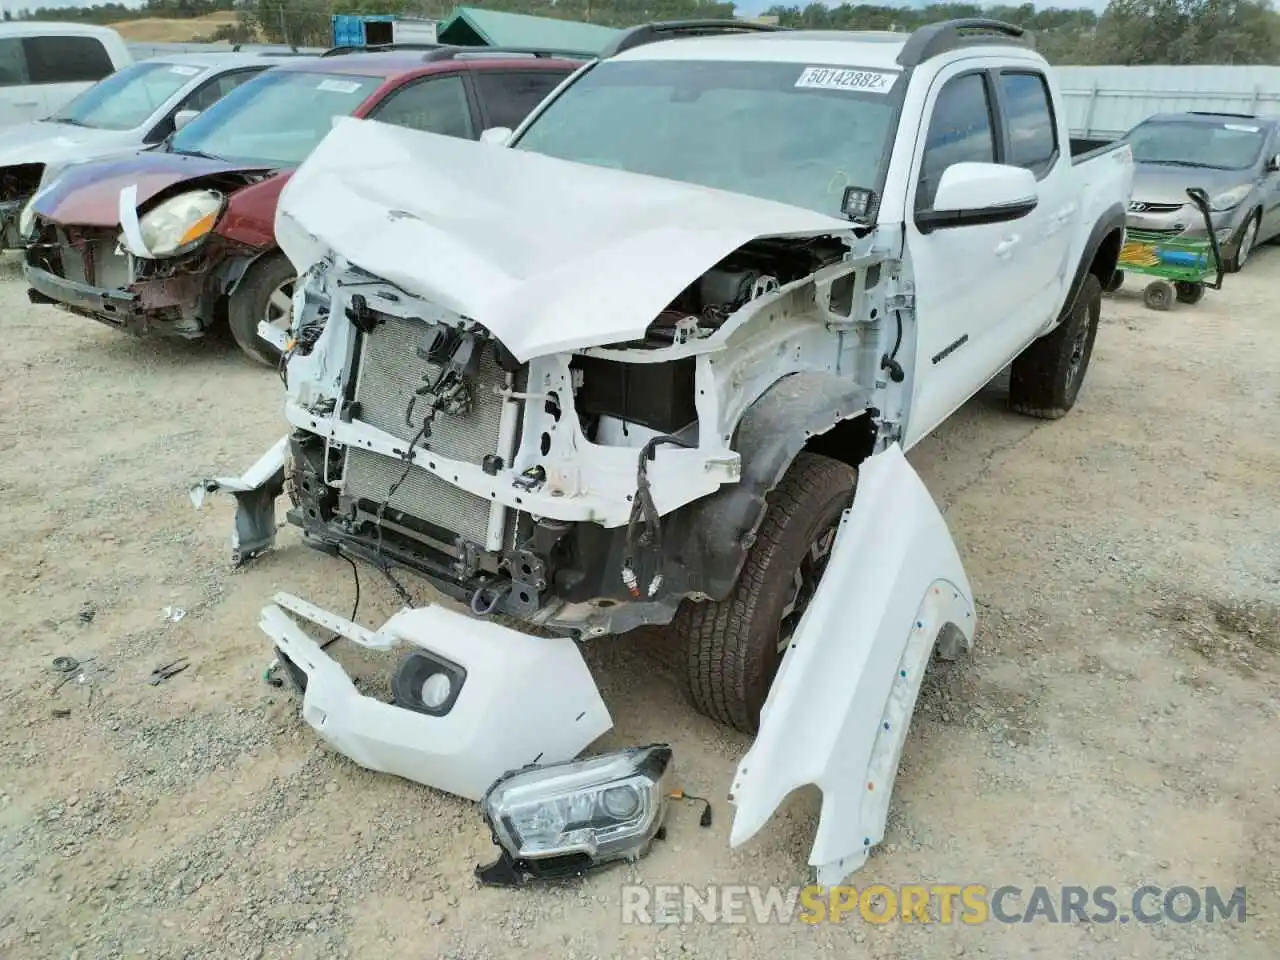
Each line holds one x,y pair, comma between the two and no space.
655,357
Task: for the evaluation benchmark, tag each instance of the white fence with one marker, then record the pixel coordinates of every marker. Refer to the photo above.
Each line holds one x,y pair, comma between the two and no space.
1105,102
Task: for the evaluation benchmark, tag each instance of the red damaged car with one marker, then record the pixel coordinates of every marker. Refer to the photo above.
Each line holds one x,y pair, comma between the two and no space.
178,239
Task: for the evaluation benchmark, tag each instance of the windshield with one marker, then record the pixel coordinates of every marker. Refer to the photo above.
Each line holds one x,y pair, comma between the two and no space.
1224,146
788,132
127,99
275,119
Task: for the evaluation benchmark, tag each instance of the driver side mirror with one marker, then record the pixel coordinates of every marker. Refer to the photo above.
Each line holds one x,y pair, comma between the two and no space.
183,117
976,193
498,136
1273,165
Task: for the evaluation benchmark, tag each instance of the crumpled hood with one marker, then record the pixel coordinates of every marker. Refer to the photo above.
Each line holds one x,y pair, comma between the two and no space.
549,255
47,142
88,194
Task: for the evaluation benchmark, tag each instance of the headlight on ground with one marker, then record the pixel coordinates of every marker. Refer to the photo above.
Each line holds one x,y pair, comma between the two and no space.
565,818
180,222
1230,199
27,219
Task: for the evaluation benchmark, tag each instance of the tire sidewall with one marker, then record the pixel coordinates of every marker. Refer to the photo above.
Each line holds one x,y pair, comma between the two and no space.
761,656
249,302
1087,310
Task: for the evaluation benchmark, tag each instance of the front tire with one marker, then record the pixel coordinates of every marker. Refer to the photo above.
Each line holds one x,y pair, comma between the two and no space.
1045,378
265,293
1248,240
733,647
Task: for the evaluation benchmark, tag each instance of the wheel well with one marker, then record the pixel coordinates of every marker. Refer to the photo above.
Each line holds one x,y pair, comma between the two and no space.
1108,255
849,441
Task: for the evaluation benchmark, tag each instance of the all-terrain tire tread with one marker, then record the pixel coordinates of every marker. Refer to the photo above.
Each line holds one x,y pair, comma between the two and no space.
715,635
1036,380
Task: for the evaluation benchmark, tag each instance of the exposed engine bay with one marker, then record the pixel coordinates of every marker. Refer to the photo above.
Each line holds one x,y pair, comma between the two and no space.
556,440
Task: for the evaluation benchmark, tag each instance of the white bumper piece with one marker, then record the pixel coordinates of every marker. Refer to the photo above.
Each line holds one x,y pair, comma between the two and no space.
520,700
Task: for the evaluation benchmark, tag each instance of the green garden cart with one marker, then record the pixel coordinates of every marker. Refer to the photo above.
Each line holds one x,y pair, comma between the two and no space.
1183,266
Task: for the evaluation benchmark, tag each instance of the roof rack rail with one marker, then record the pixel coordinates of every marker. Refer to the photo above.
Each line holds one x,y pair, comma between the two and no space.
379,48
937,38
453,52
671,29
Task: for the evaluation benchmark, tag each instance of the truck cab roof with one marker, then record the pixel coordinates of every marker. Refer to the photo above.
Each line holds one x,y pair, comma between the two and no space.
886,49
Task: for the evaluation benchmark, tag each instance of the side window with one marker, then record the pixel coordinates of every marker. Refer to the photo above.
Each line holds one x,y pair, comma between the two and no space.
67,59
1033,138
960,131
436,105
509,97
13,64
215,90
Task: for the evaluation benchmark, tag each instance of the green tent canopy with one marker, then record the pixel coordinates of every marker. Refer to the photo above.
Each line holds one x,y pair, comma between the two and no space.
474,27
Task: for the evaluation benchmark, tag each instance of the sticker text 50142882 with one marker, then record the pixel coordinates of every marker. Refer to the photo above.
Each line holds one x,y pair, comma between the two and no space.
853,80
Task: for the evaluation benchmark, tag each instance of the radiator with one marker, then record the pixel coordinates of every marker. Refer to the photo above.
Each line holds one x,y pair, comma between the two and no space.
390,372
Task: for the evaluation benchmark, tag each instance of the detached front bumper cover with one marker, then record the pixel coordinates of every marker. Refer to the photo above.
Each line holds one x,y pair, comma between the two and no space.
475,699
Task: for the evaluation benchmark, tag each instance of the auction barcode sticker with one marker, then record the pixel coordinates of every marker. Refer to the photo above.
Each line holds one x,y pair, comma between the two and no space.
839,78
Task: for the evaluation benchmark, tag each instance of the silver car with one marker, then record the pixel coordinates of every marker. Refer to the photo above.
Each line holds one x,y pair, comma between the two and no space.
1235,159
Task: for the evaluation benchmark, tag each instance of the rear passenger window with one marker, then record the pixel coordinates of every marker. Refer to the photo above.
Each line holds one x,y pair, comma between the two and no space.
13,64
960,131
510,97
66,59
438,105
1033,141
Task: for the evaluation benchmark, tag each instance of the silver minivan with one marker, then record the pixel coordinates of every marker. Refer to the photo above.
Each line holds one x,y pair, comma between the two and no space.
1234,158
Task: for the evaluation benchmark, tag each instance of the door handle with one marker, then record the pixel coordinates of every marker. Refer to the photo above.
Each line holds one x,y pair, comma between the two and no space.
1005,246
26,103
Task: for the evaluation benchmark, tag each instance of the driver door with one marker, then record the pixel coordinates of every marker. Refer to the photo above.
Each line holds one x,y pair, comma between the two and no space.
969,284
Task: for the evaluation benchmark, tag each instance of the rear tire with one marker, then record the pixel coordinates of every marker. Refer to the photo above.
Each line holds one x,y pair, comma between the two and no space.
733,647
258,298
1189,292
1045,378
1115,283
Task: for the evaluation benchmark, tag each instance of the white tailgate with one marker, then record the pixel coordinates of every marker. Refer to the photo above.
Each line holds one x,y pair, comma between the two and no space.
838,711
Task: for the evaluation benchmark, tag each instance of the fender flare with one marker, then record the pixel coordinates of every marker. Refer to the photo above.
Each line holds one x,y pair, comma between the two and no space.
1112,219
716,531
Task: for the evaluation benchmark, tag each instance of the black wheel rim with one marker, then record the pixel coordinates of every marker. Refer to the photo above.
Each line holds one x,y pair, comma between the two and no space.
805,580
1079,347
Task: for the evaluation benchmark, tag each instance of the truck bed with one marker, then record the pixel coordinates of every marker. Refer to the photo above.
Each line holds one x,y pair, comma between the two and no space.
1086,148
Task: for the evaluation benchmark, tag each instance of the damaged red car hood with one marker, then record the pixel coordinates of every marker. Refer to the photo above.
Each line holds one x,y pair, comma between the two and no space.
88,194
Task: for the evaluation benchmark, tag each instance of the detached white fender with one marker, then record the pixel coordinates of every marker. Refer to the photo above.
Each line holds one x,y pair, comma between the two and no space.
838,711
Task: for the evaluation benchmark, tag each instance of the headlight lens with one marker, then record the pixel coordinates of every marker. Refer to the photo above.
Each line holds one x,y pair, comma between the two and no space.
180,222
566,817
27,219
1229,200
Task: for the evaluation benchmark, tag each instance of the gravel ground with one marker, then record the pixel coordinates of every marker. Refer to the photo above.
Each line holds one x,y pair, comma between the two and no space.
1110,727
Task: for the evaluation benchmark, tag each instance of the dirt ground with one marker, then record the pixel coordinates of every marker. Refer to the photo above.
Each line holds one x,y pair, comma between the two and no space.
1113,726
164,30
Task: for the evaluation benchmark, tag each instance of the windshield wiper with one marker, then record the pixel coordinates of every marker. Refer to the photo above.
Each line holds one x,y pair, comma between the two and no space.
1180,163
194,153
69,122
